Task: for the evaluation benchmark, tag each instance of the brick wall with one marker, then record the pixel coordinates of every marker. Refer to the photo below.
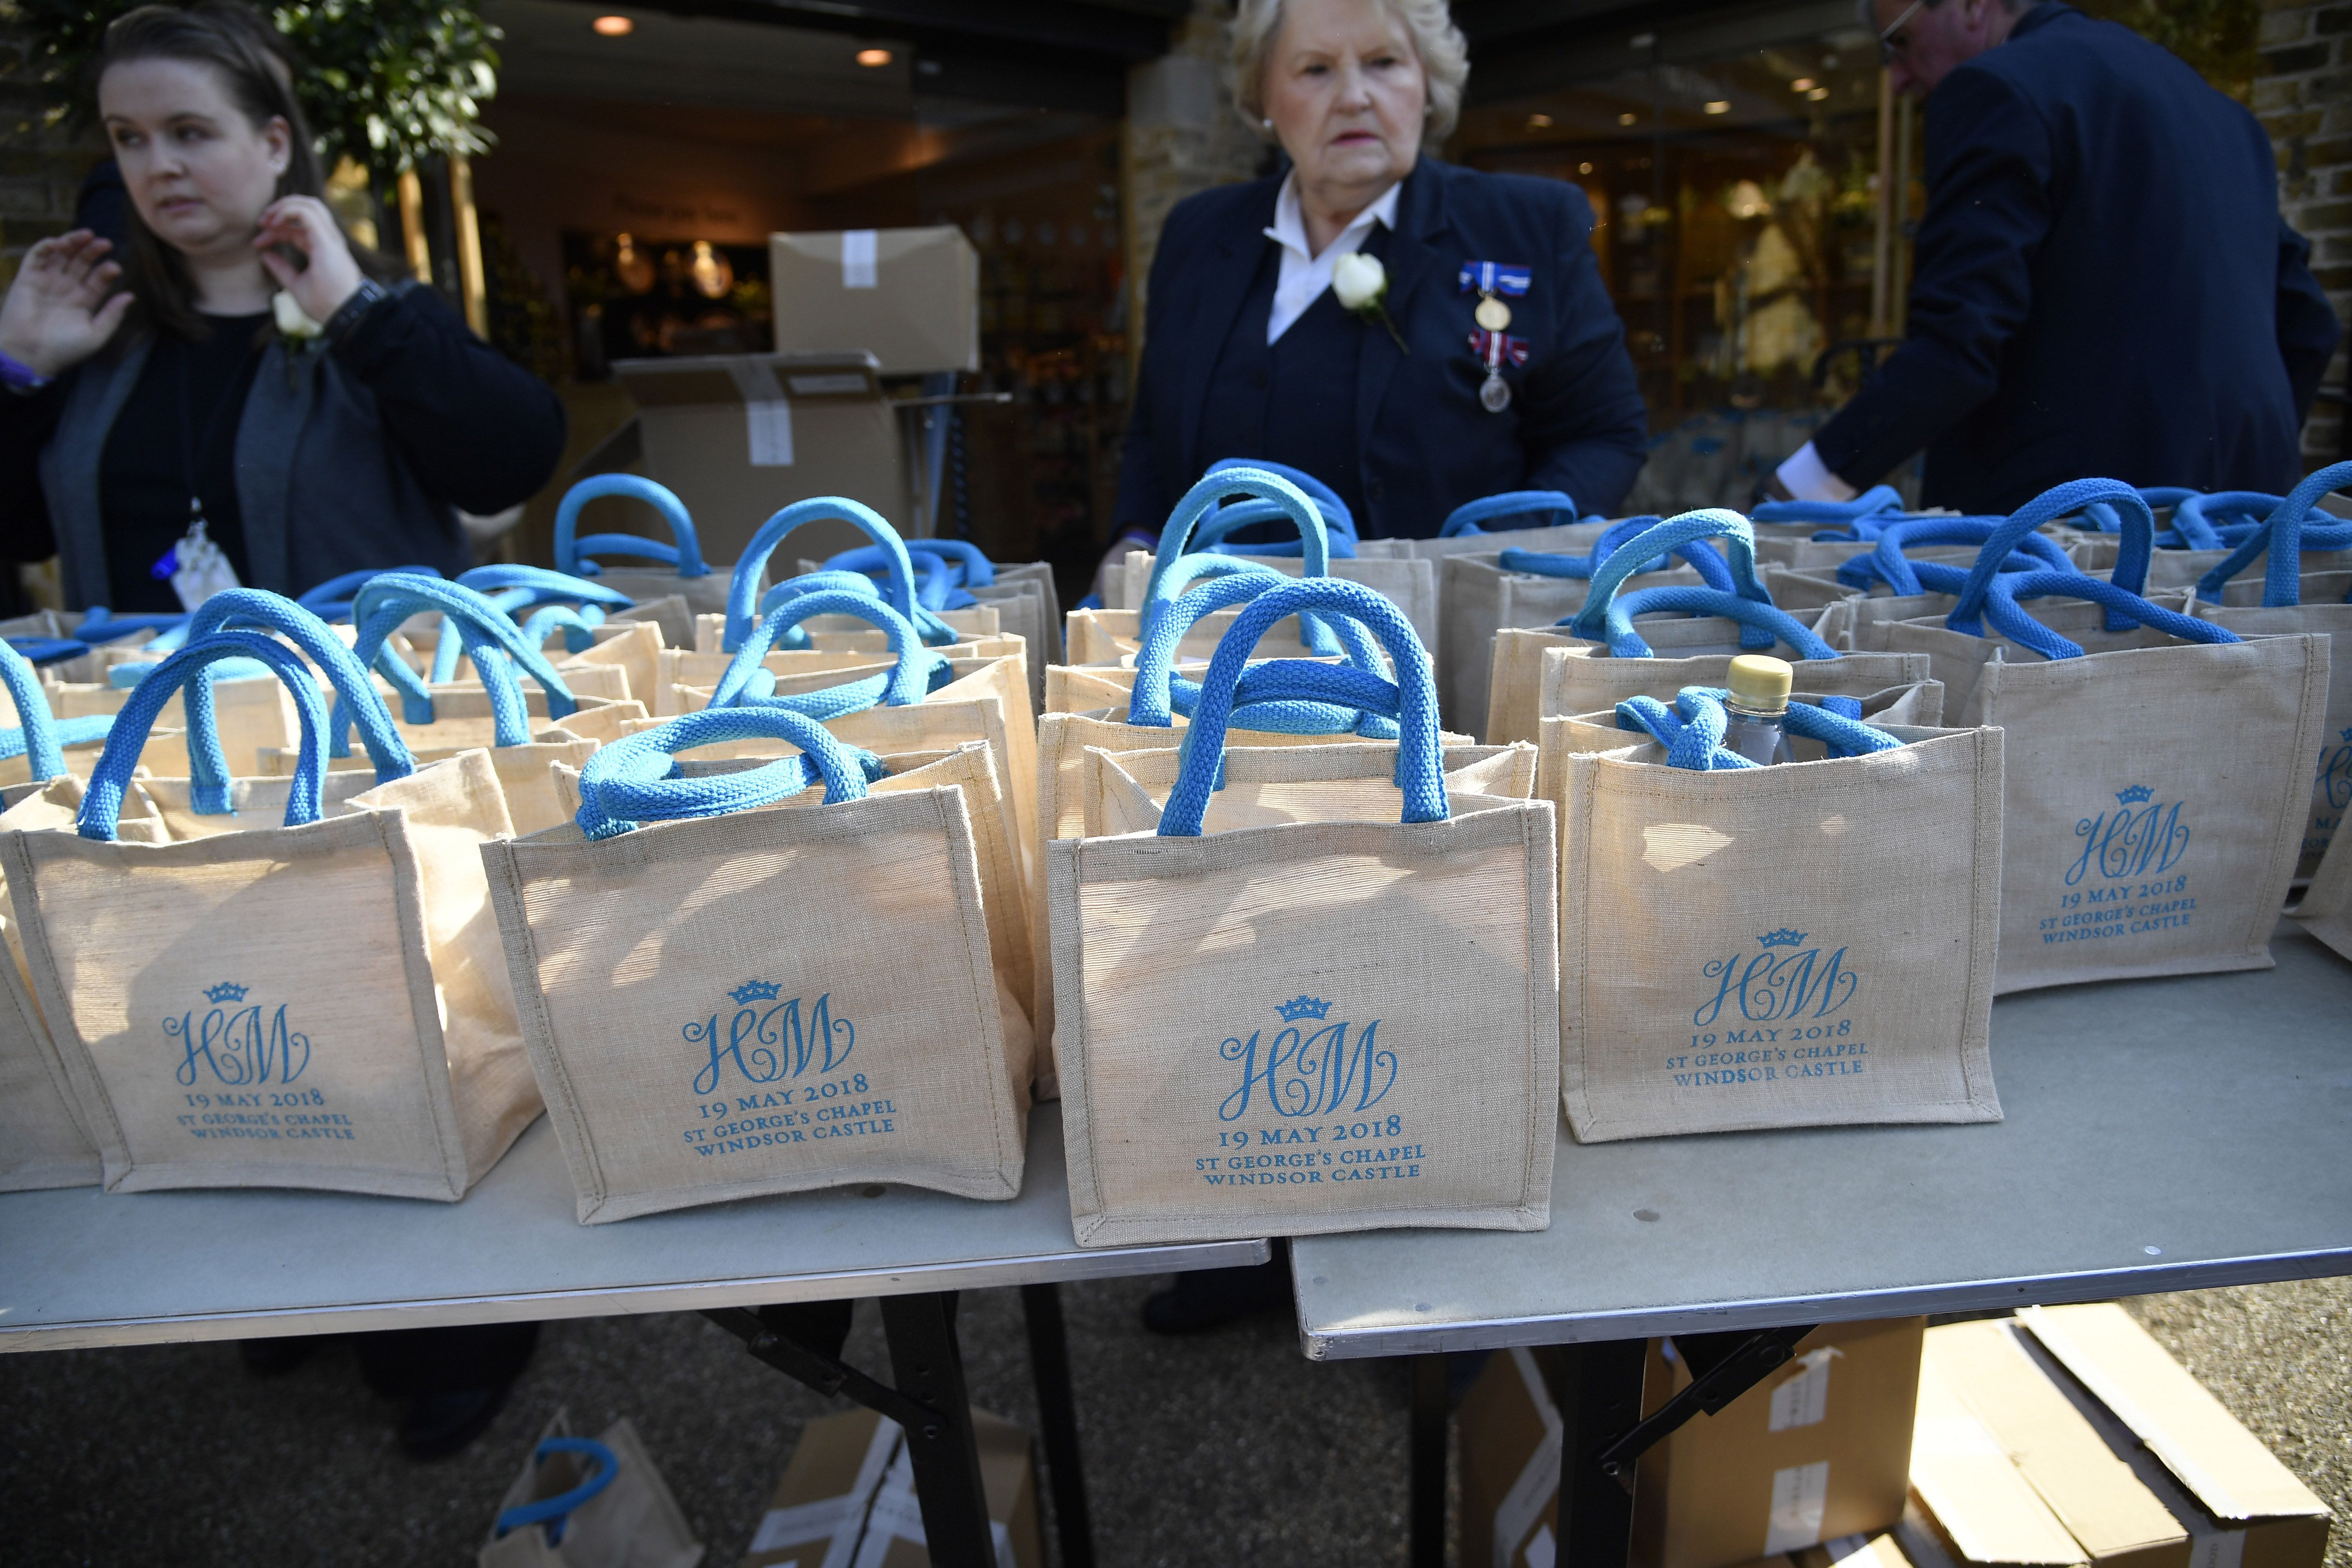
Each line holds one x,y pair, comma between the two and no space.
2304,95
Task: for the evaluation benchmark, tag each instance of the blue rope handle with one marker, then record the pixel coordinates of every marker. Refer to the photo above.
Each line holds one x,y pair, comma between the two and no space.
636,778
979,571
2062,501
543,587
571,552
2101,518
1888,564
1595,622
1875,499
36,727
899,591
935,632
1159,692
1220,485
254,609
1180,577
2196,516
1420,773
914,672
1216,534
1467,516
2282,537
102,803
553,1512
2009,619
577,626
50,650
330,601
936,588
383,603
1692,730
1762,626
101,624
1705,559
1337,518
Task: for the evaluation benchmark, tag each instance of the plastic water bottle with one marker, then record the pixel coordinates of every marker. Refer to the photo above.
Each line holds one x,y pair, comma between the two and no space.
1759,702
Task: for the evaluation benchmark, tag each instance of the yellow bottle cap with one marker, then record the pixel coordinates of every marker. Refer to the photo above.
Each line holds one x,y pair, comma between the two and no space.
1760,683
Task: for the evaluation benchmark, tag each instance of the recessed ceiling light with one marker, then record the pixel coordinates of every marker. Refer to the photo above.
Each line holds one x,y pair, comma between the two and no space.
1627,118
1802,84
613,27
1720,106
1539,121
874,57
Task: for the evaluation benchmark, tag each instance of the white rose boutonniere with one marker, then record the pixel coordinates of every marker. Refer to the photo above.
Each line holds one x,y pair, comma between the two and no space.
291,321
1361,286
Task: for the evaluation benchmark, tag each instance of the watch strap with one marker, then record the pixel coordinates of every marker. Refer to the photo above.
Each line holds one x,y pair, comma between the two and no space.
347,316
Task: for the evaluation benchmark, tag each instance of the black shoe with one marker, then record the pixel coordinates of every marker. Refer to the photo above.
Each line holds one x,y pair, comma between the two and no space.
1210,1298
275,1358
435,1426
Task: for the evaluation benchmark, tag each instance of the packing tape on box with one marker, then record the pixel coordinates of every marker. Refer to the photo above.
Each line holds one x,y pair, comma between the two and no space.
898,1515
859,260
1800,1496
1538,1480
767,414
832,1519
1804,1399
2091,1375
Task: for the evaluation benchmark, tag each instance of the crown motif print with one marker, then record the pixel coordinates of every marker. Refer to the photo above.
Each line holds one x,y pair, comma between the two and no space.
754,991
2347,733
1784,937
2138,795
226,991
1304,1007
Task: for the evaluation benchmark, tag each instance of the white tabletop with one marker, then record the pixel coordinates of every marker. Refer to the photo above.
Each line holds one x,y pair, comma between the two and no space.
83,1267
2159,1136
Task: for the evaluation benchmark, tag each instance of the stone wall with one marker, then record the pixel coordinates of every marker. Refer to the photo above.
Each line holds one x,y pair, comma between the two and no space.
2304,95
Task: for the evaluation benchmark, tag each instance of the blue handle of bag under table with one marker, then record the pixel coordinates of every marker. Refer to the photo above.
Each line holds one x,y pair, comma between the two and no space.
1469,516
1595,620
1875,499
554,1512
933,631
2132,556
2008,618
1188,570
898,591
1159,692
256,609
1215,533
1888,564
36,727
383,603
1420,772
2282,536
102,804
1221,485
1337,518
1691,730
914,669
636,779
935,586
571,552
1706,561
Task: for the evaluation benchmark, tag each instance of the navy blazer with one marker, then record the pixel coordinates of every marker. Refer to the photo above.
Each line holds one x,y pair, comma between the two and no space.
1426,444
2106,287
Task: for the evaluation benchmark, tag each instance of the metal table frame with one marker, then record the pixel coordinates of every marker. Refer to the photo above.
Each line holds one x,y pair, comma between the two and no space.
2161,1136
91,1268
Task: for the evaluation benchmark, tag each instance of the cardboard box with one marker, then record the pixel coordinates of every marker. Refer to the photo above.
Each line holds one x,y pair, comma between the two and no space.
2241,1507
1818,1450
2115,1520
1971,1505
1871,1550
739,436
848,1496
909,297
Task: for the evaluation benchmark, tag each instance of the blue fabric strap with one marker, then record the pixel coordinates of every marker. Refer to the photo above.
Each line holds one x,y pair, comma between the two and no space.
386,600
1187,569
1705,558
102,804
2101,518
1548,508
2009,619
1692,730
36,730
937,589
577,625
253,609
571,552
1771,624
2062,501
1877,499
1215,533
1159,692
1595,621
1220,485
898,591
2281,536
636,778
1337,518
541,586
916,669
1419,773
555,1511
933,631
330,601
1888,564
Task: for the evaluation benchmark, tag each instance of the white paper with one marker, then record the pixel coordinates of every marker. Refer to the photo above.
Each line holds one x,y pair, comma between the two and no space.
767,417
857,260
1804,1399
1541,1550
898,1514
1800,1494
2210,1548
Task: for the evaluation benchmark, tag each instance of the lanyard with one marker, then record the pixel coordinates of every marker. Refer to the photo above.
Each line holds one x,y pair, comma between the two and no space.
191,450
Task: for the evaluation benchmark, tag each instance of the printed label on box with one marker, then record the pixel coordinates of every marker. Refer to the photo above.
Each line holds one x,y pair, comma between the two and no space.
858,269
1800,1494
1804,1399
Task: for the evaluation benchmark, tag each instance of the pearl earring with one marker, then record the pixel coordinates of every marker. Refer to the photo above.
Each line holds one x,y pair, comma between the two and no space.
1266,123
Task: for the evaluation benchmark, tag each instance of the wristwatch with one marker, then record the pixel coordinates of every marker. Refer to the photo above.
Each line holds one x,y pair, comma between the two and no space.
347,318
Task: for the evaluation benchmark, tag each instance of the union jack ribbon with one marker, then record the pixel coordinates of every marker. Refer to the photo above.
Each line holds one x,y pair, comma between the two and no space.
1494,278
1494,348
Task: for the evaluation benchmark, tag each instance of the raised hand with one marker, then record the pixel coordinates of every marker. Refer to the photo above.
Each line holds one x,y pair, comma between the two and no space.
63,306
305,223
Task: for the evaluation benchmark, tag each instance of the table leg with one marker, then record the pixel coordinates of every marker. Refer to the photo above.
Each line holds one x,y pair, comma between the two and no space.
1601,1402
1058,1415
929,1366
1428,1461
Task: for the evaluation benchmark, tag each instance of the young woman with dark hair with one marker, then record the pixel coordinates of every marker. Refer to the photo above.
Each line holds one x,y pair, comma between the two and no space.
249,368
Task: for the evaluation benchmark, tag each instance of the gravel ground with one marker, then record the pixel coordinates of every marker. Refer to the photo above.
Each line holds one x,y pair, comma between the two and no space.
1221,1450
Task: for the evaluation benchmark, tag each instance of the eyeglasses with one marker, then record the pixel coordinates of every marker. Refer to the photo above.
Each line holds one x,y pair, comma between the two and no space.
1892,42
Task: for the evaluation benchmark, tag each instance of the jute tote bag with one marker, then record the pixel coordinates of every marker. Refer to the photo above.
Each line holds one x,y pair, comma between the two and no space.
2326,908
678,571
318,1005
2158,775
724,1002
1651,642
1464,532
1128,791
1309,1027
1898,709
1747,947
2286,608
39,747
959,574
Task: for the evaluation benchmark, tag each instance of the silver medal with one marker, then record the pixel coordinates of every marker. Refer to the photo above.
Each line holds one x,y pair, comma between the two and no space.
1496,394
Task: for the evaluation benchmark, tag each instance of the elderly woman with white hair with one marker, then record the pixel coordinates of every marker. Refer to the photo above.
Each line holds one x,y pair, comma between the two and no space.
1467,346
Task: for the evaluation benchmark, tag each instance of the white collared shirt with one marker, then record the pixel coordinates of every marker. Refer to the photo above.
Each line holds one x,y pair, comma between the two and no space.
1305,276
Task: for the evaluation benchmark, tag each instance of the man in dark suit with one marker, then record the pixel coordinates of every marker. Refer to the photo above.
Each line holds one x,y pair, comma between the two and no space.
2104,285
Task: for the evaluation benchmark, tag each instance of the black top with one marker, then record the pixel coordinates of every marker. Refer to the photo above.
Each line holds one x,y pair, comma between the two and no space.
1293,400
2104,286
181,416
1406,432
